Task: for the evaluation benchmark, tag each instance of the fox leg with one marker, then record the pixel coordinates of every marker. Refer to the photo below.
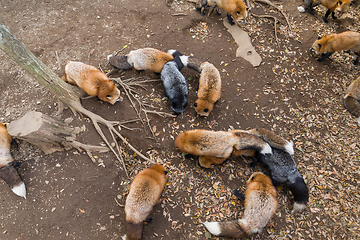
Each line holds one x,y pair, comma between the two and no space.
208,162
239,195
327,15
230,19
357,59
326,55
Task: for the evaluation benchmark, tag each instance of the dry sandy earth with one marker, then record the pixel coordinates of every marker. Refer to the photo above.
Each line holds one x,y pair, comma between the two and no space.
69,197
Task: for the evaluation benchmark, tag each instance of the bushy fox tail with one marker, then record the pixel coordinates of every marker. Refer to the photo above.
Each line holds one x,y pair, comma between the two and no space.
12,178
191,62
353,106
119,62
232,229
273,140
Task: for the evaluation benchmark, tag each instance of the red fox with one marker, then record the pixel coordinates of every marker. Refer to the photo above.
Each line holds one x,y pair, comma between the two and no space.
209,84
145,191
332,6
352,99
336,42
92,81
235,9
260,206
141,59
7,170
214,147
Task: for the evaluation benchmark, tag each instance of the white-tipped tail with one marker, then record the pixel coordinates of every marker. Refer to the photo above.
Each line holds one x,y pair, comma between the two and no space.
289,148
301,9
109,56
20,190
298,207
184,60
171,51
358,120
124,237
213,228
266,149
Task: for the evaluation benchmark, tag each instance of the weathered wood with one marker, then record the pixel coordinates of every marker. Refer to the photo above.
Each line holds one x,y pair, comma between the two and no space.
64,92
49,134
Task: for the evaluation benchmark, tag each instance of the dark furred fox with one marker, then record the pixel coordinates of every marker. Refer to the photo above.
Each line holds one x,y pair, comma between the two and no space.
260,206
175,85
145,191
92,81
209,84
235,9
352,99
337,42
141,59
7,171
332,6
283,170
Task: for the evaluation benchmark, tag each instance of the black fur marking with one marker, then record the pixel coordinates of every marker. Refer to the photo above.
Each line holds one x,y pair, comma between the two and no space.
299,190
175,86
283,169
149,220
325,56
230,18
356,61
239,195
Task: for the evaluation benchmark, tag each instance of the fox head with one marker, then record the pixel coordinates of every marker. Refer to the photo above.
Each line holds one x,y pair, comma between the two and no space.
203,108
316,48
240,12
259,177
344,6
108,92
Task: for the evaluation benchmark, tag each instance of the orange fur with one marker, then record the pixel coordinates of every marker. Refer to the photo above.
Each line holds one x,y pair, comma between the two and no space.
329,4
92,81
214,147
344,7
148,59
145,191
337,42
209,89
5,141
260,206
235,8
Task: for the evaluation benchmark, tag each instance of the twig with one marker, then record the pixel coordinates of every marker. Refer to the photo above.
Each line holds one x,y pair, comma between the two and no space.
274,6
179,14
162,114
119,203
275,20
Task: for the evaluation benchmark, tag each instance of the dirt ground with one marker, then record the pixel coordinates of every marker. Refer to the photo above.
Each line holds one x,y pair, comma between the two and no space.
69,197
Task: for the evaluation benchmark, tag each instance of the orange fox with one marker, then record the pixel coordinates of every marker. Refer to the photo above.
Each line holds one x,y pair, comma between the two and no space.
145,191
235,9
260,206
214,147
336,42
332,6
352,99
209,84
7,170
141,59
92,81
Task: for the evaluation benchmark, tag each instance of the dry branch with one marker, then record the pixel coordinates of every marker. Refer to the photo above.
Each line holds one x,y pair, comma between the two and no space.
49,134
276,7
63,91
275,20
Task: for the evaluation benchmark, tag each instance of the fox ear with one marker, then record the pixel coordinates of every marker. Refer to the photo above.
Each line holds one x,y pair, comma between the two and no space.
340,2
319,38
319,45
351,3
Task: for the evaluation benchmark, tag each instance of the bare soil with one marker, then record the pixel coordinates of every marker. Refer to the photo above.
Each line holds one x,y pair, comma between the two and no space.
69,197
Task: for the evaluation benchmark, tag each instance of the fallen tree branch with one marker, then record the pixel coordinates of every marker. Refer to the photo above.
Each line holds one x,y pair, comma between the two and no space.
66,93
275,20
276,7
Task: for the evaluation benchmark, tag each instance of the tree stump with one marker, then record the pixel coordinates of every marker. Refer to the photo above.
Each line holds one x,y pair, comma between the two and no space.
49,134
